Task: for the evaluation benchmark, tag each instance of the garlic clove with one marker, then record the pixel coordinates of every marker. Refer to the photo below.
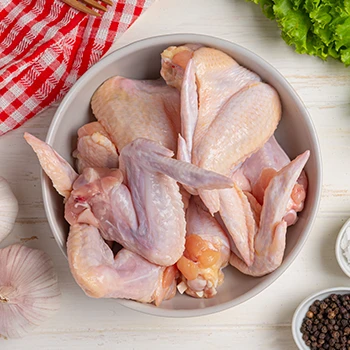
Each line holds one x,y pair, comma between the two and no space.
29,290
8,209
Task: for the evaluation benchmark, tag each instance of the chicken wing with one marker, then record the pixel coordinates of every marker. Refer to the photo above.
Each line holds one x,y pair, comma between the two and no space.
142,209
127,275
207,253
130,109
94,148
57,169
270,239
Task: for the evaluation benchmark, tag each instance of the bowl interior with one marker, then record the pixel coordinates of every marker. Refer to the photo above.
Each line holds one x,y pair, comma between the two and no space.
343,263
303,308
141,60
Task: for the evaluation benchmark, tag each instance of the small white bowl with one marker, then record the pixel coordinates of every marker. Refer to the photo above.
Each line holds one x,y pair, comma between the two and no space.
345,266
303,308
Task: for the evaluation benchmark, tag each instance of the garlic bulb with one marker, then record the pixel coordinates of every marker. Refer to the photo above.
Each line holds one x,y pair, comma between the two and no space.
8,209
29,291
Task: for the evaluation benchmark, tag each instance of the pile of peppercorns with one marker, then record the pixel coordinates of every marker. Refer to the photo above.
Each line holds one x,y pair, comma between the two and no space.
327,323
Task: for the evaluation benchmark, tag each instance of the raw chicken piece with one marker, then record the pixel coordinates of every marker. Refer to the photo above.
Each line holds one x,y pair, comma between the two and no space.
174,62
131,218
99,198
189,113
218,77
207,253
235,115
270,240
127,275
94,148
263,165
149,220
271,156
56,168
147,156
237,215
90,128
129,109
243,126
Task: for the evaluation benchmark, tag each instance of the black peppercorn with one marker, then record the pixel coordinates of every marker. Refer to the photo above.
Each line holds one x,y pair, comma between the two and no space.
326,324
313,308
323,305
335,334
330,315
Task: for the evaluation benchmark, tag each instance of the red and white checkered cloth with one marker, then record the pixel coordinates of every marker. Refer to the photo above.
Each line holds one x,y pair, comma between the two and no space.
45,46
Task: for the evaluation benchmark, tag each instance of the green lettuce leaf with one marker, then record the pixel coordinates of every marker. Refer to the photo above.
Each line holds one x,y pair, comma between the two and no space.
315,27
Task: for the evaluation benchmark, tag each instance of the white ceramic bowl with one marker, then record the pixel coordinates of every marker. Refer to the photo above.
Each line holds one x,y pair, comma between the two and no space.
303,308
141,60
343,263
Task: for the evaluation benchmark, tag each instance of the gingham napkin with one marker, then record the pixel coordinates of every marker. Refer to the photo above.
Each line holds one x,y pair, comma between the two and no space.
45,46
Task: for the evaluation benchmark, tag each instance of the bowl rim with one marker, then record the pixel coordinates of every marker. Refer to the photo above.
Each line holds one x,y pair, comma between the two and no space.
344,265
307,302
172,39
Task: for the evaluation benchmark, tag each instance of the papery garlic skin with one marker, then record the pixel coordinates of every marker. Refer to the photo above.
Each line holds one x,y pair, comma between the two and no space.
29,290
8,209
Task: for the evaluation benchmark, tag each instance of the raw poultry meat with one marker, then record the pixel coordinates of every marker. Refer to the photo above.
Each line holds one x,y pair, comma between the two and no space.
219,119
126,275
224,102
94,148
263,165
218,77
151,107
145,214
56,168
270,239
227,116
207,253
238,218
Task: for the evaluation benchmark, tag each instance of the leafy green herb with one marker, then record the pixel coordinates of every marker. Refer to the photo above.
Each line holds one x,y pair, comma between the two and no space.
314,27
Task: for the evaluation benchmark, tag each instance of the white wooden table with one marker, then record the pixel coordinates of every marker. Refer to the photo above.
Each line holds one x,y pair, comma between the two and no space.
262,322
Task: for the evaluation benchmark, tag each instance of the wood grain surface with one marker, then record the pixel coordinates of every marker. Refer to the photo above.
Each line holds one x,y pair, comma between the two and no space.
262,322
